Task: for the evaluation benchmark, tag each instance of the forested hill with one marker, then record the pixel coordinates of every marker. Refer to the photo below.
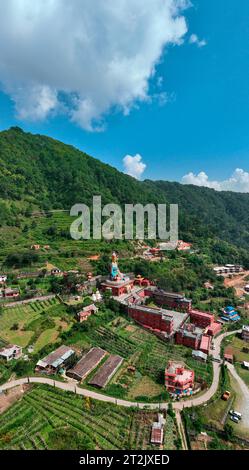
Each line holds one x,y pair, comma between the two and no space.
39,172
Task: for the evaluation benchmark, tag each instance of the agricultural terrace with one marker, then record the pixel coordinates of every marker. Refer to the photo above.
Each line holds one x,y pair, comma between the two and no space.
47,418
53,230
141,376
36,323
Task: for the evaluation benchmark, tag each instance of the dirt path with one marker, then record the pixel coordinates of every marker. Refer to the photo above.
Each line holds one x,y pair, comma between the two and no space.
237,282
181,430
40,298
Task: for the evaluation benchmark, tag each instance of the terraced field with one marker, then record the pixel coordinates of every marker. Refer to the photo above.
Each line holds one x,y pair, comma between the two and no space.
18,324
112,342
29,423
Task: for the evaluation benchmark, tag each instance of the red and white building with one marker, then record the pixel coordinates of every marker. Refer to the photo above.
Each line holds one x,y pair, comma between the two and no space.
178,379
183,246
118,288
86,312
10,293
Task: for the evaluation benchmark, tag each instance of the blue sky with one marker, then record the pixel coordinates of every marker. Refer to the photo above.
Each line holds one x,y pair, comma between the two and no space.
204,126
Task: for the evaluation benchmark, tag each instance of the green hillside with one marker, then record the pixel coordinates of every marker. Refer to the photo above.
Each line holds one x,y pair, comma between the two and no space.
38,172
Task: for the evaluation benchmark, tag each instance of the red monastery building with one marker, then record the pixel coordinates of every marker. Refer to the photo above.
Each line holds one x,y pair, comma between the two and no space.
169,299
201,319
156,319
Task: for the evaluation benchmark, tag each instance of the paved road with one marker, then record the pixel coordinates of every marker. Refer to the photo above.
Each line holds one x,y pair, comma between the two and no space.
242,399
99,396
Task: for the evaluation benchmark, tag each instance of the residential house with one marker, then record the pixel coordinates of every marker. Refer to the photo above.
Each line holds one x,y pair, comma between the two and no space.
11,352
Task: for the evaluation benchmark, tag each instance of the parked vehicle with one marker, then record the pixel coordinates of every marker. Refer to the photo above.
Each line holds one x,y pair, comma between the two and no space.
216,359
226,395
234,419
237,414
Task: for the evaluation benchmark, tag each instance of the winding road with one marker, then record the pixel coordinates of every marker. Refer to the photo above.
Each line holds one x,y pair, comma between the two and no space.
69,387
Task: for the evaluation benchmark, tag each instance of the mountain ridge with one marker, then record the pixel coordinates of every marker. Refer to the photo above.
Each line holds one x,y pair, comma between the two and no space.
40,172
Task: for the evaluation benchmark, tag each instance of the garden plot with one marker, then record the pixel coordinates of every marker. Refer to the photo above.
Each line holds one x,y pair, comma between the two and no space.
13,324
42,412
20,325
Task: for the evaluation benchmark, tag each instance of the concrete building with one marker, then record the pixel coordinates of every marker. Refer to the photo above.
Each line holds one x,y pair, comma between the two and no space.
118,288
205,344
228,357
10,293
178,379
228,269
11,352
213,329
245,333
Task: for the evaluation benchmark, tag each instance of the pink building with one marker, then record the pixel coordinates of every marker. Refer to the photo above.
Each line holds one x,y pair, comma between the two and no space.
214,329
201,319
178,379
84,314
205,344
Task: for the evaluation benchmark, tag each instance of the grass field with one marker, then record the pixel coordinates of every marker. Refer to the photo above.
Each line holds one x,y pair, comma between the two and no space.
28,320
244,373
43,412
234,345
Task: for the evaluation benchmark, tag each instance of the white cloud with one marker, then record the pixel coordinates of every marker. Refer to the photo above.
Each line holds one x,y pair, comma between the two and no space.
134,166
195,40
98,55
34,103
238,182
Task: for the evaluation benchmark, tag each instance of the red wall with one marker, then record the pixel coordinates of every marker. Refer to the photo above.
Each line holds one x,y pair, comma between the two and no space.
151,320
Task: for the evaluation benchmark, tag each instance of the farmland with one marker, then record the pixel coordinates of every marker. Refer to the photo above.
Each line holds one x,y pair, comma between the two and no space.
141,375
43,415
53,230
145,354
37,323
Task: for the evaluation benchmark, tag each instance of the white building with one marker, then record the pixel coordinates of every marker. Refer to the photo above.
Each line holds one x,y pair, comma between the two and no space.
11,352
228,269
245,333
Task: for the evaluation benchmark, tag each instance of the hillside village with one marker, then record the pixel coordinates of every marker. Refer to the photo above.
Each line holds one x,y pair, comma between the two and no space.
104,332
